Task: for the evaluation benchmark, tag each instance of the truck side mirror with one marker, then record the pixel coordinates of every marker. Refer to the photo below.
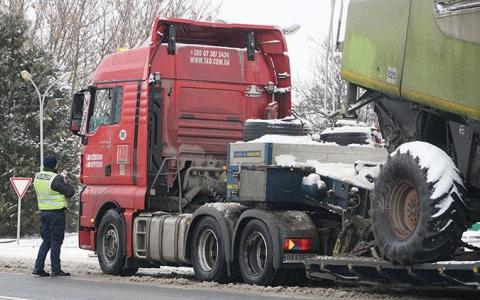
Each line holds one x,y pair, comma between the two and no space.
76,114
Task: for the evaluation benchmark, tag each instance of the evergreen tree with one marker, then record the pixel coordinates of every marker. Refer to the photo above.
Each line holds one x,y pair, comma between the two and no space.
19,124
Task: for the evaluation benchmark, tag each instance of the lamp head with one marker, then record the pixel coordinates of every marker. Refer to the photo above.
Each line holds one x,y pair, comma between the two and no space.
291,29
26,75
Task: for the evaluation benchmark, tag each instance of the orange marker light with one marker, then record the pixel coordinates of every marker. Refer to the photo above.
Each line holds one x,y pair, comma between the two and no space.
297,245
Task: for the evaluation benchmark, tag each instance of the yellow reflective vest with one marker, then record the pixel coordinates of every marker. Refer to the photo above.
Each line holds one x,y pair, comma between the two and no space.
47,198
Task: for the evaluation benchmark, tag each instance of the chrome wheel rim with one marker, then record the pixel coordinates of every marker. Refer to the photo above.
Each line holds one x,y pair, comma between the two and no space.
110,243
256,253
207,250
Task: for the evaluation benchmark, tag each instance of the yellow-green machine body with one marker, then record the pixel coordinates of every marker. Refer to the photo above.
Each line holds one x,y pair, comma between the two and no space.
424,51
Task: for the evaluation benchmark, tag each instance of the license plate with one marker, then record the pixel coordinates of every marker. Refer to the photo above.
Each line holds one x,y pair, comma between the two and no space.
295,258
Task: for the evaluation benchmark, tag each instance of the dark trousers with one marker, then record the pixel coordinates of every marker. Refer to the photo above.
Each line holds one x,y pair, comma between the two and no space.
52,232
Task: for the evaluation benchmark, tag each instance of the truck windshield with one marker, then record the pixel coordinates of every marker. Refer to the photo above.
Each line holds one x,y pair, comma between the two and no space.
453,5
106,108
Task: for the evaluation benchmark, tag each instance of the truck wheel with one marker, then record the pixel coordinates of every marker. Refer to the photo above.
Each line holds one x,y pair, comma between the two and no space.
111,244
257,128
255,255
411,222
208,257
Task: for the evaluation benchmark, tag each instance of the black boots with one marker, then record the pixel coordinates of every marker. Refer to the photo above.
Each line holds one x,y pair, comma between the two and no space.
41,273
59,273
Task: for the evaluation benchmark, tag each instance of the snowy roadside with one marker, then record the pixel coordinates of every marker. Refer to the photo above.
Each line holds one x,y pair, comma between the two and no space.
84,265
28,248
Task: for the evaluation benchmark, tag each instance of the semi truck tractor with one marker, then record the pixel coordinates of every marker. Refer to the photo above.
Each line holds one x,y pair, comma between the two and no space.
417,61
168,179
189,156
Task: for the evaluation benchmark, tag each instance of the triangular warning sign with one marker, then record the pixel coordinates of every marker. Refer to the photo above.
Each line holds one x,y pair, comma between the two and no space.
20,184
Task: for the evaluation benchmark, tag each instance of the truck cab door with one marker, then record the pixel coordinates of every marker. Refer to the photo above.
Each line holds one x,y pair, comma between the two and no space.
104,113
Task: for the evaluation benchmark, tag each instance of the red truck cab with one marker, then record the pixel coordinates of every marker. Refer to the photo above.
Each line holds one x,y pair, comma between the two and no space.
157,119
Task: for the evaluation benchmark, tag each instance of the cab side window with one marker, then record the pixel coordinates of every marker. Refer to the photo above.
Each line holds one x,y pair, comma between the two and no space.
106,108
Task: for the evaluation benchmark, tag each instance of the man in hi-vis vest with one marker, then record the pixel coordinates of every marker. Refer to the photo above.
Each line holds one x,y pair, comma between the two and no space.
52,191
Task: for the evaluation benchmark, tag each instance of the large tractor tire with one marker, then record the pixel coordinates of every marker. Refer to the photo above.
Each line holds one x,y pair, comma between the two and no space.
208,255
255,129
111,245
418,214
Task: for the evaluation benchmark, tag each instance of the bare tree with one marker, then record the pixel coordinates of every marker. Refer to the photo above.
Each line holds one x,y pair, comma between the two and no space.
310,92
14,7
79,33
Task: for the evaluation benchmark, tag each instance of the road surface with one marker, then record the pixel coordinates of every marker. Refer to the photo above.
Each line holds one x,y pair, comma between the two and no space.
88,282
22,286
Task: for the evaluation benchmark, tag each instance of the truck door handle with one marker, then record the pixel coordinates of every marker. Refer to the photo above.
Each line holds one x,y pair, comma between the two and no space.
108,170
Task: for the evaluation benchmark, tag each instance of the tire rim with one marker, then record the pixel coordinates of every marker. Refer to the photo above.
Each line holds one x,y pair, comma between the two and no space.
208,250
255,253
403,209
110,243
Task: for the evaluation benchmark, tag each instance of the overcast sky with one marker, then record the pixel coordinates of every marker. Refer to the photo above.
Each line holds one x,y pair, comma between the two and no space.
312,15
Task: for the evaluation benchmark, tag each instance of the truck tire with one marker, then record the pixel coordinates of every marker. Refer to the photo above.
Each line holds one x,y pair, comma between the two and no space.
255,255
111,245
410,224
208,255
255,129
346,138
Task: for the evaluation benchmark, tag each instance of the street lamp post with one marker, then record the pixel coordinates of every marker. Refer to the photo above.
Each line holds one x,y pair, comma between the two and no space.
41,98
327,57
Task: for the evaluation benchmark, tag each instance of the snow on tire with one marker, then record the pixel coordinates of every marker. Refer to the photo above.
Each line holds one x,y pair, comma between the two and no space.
418,214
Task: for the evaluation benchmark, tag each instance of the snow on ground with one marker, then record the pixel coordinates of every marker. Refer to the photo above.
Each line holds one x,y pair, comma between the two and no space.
28,249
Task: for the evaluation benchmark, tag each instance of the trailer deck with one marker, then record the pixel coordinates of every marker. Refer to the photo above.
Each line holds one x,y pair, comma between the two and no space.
372,271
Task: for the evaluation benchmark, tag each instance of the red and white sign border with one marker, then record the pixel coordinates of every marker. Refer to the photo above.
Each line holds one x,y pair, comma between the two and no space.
12,181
